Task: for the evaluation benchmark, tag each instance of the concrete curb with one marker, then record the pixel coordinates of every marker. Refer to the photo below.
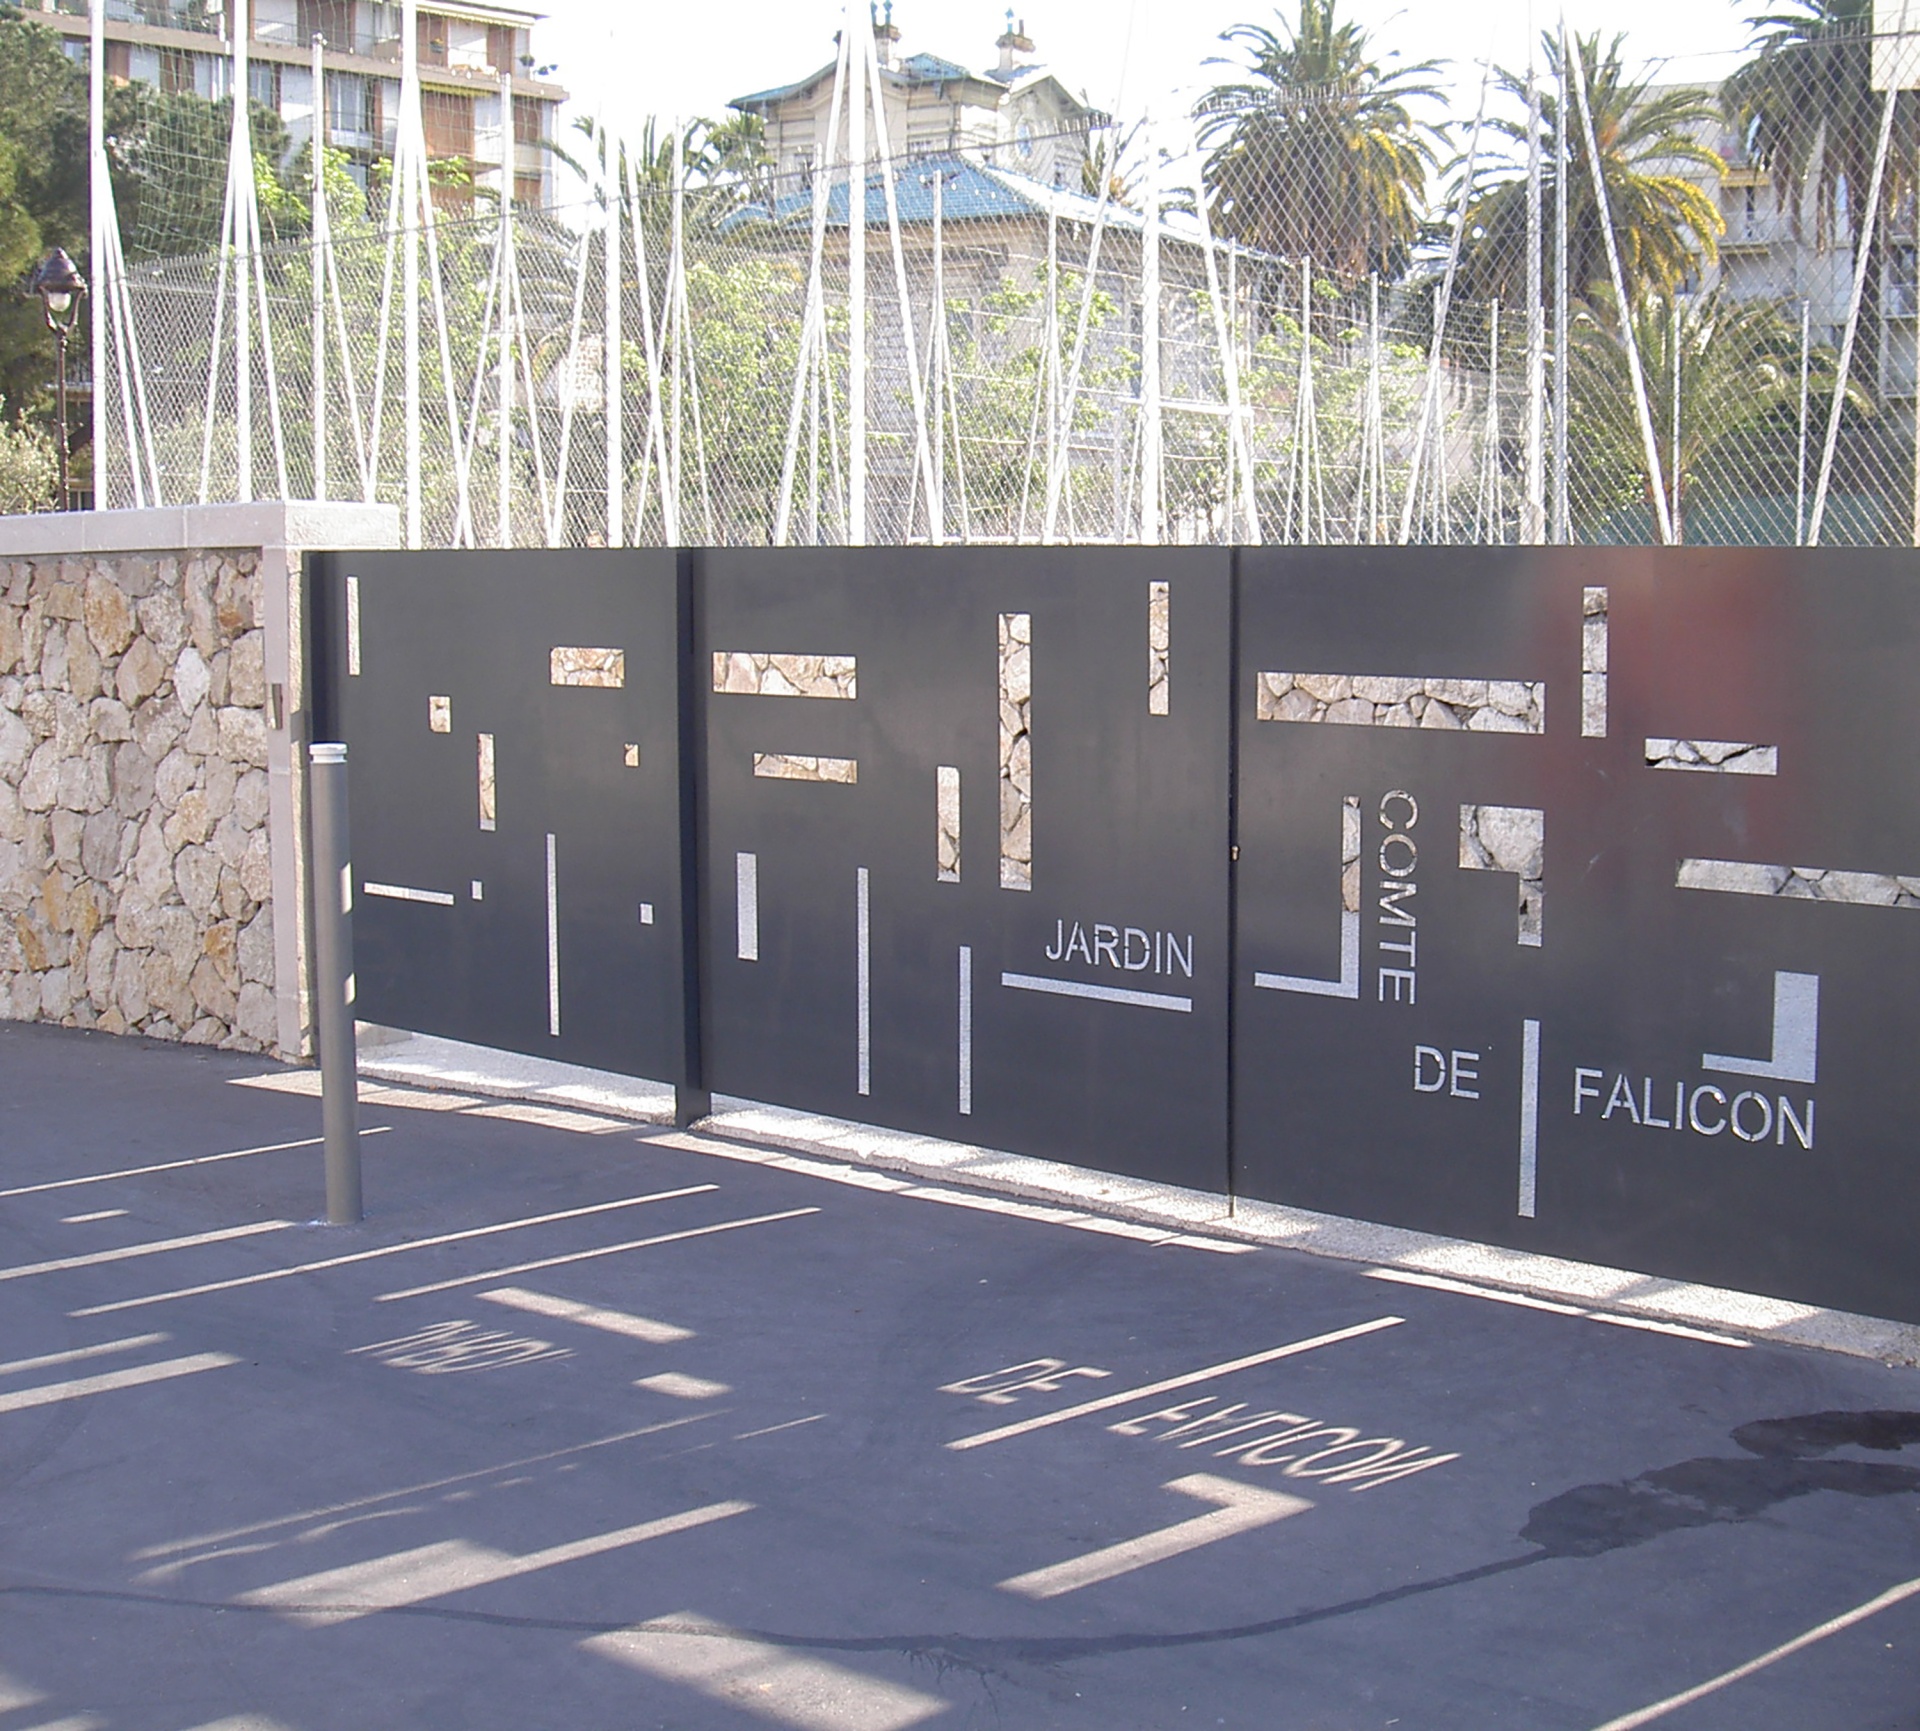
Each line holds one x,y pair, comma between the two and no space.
1069,1193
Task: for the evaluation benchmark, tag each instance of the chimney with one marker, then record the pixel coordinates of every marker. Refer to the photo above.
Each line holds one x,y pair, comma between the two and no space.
886,37
1016,48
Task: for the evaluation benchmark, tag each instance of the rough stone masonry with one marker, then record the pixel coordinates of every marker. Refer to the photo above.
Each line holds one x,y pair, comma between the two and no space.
135,875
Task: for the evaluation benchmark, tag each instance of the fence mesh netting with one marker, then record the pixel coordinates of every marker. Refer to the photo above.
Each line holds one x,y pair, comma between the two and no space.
1728,363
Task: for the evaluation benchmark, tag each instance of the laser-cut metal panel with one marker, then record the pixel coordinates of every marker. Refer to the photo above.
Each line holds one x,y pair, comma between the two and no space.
1414,1112
1128,830
481,629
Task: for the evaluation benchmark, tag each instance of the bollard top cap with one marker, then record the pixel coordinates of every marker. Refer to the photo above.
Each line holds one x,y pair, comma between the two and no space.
327,753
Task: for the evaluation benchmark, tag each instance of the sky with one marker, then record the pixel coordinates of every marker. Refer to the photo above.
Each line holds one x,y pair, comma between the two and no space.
1130,57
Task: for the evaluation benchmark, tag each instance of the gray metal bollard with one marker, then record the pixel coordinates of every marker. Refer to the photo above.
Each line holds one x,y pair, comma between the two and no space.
333,981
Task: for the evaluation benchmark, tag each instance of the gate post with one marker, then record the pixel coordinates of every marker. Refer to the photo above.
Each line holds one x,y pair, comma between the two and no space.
333,981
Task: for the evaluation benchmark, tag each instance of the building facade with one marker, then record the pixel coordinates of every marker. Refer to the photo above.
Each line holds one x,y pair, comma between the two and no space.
465,49
1018,116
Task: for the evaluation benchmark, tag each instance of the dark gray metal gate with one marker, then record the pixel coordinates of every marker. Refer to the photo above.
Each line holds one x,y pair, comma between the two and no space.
1573,906
1620,966
1051,977
513,723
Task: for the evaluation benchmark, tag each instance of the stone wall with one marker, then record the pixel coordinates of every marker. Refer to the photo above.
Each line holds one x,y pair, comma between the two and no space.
152,879
135,864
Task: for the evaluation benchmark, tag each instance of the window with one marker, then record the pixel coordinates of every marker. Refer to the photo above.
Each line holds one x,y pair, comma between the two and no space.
276,21
263,83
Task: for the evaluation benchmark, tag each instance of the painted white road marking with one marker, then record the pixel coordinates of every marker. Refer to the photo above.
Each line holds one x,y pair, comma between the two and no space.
590,1255
683,1387
1833,1626
451,1566
52,1393
175,1165
770,1682
48,1360
391,1250
1242,1509
1128,1395
588,1315
127,1252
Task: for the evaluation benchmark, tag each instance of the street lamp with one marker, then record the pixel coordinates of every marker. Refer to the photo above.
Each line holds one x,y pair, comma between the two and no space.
60,287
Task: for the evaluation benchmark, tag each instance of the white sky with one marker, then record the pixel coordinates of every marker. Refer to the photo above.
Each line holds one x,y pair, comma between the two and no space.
669,56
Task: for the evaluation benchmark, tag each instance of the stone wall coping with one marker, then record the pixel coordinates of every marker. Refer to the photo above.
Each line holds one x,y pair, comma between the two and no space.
300,523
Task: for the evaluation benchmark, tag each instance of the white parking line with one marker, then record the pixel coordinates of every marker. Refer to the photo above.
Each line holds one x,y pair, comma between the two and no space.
154,1247
76,1355
591,1255
175,1165
1833,1626
52,1393
1242,1508
451,1566
1127,1395
388,1250
588,1315
760,1678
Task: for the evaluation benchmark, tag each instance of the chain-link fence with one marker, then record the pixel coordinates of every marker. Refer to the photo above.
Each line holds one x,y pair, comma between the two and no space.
1044,362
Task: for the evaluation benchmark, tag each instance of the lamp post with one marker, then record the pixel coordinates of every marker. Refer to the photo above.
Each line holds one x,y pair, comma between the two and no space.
60,287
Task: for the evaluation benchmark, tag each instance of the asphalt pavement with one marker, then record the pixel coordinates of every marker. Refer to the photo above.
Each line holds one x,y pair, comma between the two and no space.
594,1425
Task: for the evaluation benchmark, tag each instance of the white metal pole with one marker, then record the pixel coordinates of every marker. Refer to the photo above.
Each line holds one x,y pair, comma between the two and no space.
1443,301
1562,296
317,251
1800,467
937,346
1656,481
99,189
1152,450
676,337
503,431
1239,456
413,198
1673,444
610,342
1536,526
240,175
859,27
1863,252
909,348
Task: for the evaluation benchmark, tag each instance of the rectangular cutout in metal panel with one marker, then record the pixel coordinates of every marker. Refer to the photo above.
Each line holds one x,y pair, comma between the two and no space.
1713,756
1159,625
489,808
946,800
1016,751
602,667
747,673
966,1030
439,715
863,961
1799,883
1593,663
746,906
353,626
553,943
405,893
630,756
777,766
1390,700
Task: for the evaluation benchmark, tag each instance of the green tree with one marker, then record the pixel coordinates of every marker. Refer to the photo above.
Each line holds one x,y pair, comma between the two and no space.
1738,367
1316,150
1666,225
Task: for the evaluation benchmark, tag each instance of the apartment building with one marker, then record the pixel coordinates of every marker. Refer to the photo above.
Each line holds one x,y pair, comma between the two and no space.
182,46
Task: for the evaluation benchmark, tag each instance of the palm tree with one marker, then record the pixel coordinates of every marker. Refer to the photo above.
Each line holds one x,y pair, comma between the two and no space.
1806,106
1666,225
1316,152
1738,367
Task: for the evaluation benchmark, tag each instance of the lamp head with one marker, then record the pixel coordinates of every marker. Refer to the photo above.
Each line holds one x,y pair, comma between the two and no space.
56,282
